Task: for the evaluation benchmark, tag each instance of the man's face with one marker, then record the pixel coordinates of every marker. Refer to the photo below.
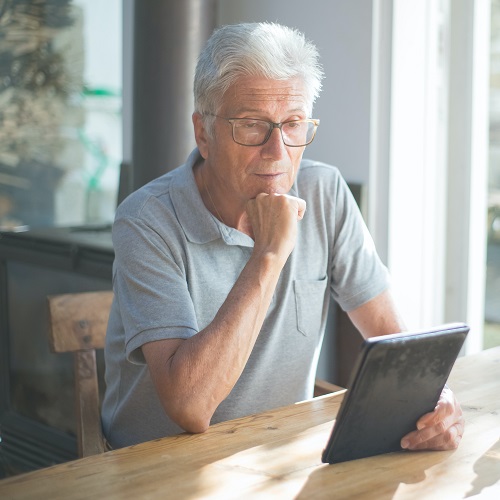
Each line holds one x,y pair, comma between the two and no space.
242,172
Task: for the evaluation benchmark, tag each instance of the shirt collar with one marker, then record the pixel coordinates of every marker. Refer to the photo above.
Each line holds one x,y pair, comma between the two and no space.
199,225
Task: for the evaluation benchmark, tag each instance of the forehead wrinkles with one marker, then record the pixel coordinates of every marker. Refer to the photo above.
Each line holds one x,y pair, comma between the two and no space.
281,94
251,94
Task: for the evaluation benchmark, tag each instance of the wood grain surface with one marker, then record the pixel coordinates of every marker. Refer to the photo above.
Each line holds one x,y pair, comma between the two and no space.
277,454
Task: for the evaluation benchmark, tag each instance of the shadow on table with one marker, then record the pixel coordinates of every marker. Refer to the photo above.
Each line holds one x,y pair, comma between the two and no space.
371,476
487,468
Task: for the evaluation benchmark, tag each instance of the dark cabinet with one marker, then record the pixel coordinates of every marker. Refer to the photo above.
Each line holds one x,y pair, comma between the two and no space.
36,386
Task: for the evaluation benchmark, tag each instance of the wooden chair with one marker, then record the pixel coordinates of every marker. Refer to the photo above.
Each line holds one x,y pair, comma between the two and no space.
322,387
78,323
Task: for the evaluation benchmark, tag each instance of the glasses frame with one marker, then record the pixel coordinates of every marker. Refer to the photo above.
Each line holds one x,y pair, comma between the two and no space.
274,125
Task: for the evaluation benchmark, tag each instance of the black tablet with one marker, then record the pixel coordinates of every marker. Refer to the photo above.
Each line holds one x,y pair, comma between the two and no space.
397,378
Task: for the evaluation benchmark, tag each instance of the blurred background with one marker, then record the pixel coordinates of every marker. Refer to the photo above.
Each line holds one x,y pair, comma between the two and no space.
404,90
96,100
492,297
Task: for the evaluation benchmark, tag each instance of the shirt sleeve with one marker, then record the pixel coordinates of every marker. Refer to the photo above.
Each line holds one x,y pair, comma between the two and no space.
358,274
150,287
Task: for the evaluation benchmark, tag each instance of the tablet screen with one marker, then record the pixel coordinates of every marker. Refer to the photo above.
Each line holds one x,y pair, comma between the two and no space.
397,379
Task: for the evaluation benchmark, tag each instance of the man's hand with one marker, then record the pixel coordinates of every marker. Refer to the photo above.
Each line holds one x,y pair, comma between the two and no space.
441,429
273,218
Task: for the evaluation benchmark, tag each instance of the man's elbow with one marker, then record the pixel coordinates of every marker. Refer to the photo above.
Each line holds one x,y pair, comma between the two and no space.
197,427
192,420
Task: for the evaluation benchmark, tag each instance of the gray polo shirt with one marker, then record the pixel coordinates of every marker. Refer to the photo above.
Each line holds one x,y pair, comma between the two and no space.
175,265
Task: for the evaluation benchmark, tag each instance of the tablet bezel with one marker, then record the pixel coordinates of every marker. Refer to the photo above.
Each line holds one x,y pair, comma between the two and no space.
362,427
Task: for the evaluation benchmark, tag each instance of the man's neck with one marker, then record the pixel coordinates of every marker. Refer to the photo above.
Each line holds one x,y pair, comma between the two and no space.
233,216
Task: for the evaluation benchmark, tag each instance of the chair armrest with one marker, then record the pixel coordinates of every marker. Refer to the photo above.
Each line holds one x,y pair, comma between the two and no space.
322,387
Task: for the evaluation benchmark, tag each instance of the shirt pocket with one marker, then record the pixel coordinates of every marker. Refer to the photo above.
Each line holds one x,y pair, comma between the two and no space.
309,302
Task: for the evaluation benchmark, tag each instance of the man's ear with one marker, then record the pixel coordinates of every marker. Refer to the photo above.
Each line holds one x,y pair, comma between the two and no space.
200,134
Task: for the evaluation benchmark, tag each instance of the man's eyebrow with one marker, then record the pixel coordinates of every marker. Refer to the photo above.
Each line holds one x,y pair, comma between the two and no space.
260,111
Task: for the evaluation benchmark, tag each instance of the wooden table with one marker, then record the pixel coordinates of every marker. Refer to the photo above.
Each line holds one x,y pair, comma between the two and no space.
277,454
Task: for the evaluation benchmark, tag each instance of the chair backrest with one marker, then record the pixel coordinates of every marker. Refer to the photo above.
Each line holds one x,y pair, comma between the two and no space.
78,323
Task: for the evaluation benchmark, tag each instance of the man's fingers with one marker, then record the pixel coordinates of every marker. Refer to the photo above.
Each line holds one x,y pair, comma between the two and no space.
301,204
435,417
445,435
428,440
302,208
441,429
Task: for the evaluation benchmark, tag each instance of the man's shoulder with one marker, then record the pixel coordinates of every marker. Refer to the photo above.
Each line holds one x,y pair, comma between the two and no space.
157,189
314,168
317,174
158,194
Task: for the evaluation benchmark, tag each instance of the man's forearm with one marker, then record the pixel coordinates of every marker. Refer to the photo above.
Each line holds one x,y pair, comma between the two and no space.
379,316
194,378
195,375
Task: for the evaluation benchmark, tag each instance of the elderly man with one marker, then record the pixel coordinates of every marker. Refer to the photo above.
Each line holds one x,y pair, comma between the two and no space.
222,277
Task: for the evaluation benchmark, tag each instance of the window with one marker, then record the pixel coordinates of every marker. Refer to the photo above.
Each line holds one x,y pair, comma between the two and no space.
492,291
60,112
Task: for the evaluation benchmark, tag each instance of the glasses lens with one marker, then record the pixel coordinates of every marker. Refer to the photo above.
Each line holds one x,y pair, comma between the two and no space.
250,132
298,133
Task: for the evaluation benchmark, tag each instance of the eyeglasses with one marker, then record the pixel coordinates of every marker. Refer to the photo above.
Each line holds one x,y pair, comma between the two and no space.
253,132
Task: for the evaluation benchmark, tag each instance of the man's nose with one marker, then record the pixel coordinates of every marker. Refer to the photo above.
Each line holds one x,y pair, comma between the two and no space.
274,147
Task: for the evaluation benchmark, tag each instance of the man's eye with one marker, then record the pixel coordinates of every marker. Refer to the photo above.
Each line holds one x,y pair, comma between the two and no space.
293,125
247,124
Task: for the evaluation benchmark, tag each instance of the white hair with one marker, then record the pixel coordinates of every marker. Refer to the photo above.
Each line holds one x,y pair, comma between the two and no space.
265,49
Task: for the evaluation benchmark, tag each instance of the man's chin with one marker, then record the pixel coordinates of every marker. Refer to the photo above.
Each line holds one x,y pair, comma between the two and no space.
275,186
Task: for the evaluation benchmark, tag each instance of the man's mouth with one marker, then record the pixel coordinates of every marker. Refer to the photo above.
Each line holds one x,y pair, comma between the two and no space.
270,175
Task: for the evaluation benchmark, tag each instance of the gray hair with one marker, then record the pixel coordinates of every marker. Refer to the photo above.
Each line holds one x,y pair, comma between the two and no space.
260,49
